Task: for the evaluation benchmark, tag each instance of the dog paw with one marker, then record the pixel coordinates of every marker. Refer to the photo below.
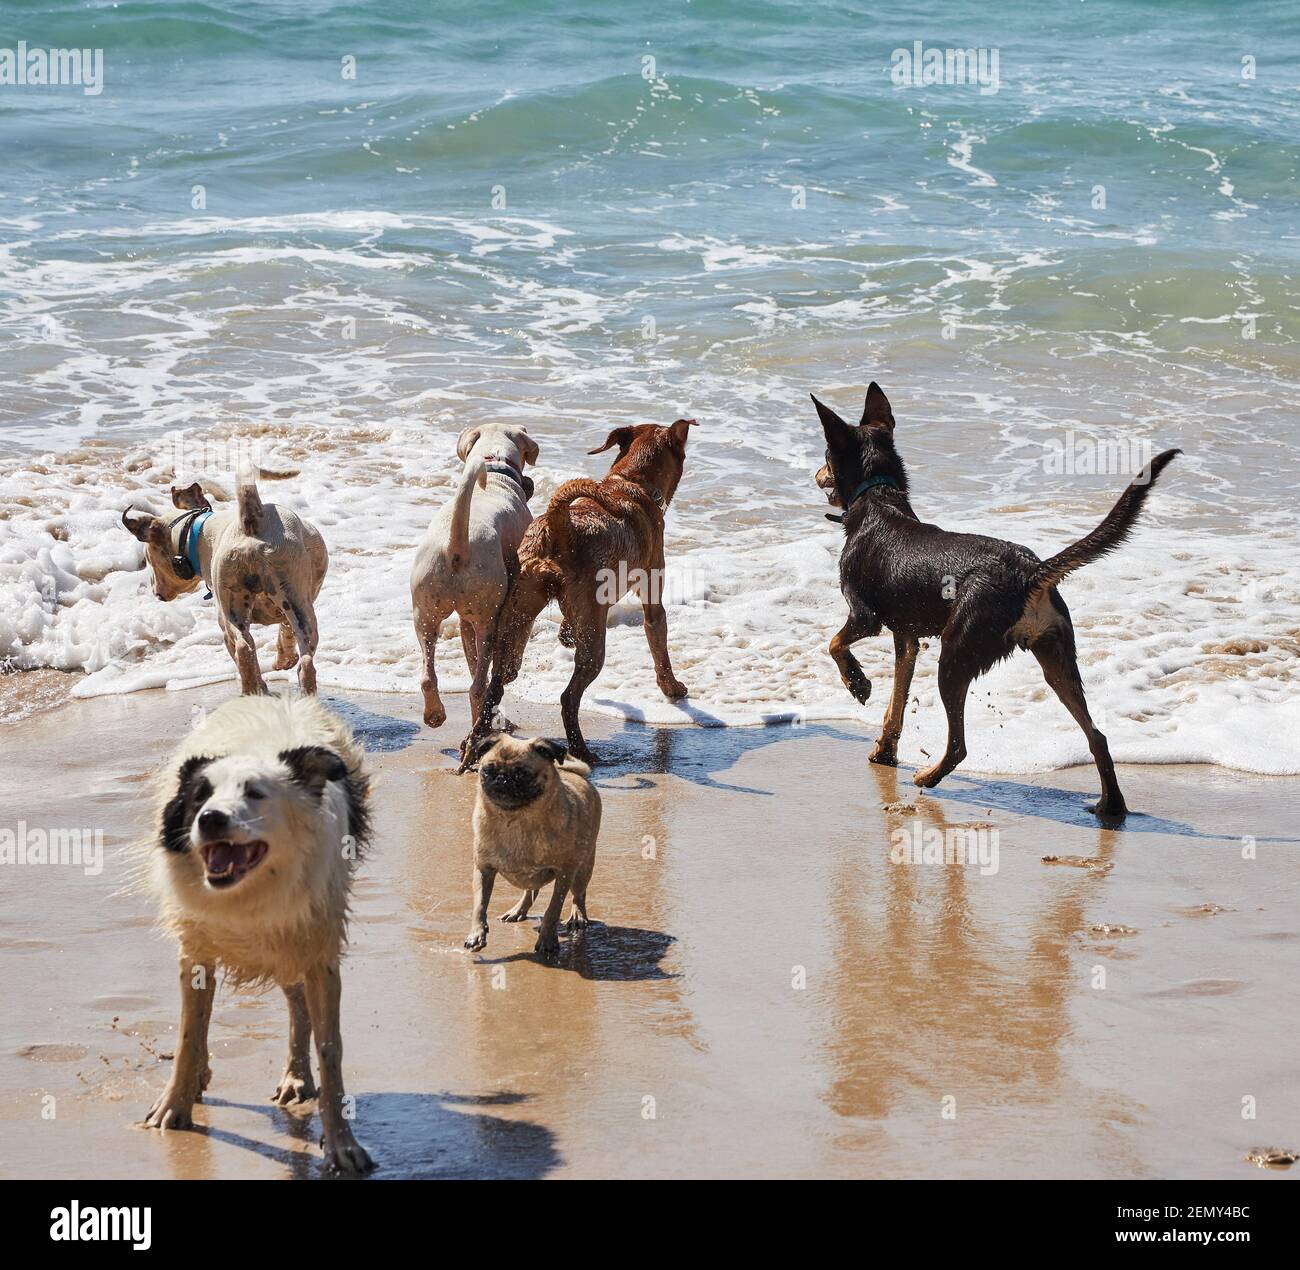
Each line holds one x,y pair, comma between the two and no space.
547,946
674,689
884,754
345,1155
516,914
435,715
576,922
172,1111
583,754
285,663
476,939
1109,811
293,1090
859,687
928,779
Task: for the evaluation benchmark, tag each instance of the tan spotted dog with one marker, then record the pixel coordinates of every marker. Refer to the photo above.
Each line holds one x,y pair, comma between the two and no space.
263,564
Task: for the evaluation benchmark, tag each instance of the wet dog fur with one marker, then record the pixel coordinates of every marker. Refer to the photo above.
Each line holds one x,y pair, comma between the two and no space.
596,541
260,815
983,597
469,554
536,820
263,564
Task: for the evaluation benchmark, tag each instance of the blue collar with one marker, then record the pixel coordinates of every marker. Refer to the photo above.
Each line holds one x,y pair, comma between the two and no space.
189,543
872,482
190,536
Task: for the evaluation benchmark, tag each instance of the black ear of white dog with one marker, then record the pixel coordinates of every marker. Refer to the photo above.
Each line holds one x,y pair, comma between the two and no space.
193,789
553,750
312,765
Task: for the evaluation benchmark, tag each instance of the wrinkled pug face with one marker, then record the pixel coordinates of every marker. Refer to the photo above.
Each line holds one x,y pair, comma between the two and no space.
248,819
513,771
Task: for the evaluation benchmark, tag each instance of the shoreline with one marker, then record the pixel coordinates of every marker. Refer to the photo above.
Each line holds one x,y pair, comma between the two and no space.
734,865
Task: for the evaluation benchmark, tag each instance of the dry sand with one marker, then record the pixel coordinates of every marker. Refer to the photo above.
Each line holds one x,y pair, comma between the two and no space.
672,1038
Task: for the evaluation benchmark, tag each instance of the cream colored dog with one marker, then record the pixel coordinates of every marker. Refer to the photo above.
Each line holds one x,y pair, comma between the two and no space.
264,564
536,819
260,817
467,558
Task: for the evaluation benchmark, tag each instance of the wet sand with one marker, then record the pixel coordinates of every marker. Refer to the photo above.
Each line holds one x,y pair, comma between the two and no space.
764,992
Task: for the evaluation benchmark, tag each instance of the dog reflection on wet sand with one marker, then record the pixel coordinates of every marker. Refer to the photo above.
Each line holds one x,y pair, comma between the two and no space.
536,819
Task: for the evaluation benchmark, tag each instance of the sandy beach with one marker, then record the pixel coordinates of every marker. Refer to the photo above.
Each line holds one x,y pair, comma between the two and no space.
765,992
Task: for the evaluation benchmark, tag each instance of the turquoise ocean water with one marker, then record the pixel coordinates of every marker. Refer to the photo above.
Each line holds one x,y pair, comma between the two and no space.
350,230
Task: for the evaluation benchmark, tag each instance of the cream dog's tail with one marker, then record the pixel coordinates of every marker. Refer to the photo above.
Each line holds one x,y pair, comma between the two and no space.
250,501
475,473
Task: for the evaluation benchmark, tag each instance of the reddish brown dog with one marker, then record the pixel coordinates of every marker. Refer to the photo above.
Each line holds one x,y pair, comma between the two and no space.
597,541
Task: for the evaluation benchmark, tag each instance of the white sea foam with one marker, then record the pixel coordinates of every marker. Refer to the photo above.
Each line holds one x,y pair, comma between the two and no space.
1188,642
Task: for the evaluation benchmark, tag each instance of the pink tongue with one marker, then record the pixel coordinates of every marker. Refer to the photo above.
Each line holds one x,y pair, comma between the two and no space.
221,855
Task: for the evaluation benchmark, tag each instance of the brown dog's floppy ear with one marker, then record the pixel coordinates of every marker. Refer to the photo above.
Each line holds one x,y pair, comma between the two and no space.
876,409
681,429
530,447
191,498
312,765
465,442
146,526
480,747
553,750
621,437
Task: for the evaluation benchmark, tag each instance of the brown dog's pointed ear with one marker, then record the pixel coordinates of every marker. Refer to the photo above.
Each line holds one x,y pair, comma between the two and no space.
621,437
465,442
681,429
191,498
553,750
145,526
832,425
876,409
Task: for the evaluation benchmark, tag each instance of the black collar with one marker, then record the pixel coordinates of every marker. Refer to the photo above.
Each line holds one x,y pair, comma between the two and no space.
502,468
872,482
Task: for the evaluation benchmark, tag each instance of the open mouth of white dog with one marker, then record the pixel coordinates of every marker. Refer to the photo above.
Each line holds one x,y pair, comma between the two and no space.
229,862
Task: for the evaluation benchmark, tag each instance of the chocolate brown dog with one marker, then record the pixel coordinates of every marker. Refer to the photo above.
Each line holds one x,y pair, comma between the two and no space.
596,541
984,597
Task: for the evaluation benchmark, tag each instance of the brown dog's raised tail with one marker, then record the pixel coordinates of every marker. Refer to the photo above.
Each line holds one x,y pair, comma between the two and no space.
1112,531
557,514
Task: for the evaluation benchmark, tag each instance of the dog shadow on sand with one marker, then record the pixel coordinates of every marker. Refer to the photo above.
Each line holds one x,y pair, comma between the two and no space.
697,753
606,954
410,1135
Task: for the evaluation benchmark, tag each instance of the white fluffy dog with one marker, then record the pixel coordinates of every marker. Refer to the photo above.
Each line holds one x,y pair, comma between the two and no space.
466,560
263,563
260,817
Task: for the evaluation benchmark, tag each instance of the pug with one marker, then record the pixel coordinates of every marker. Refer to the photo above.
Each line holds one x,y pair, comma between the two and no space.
536,819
